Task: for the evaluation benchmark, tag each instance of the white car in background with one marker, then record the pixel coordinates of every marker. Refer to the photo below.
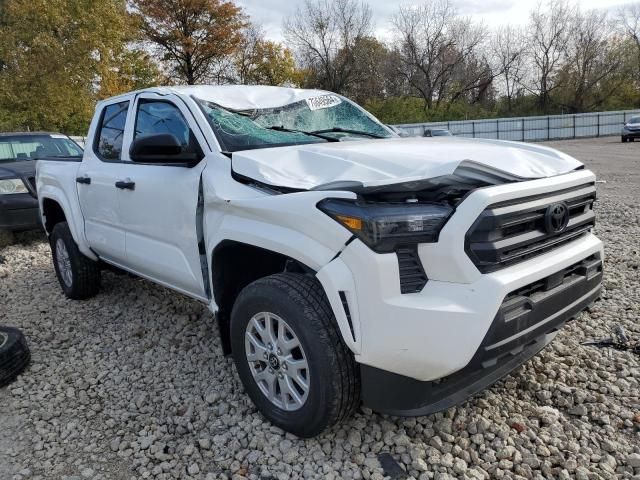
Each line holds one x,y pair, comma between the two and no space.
344,265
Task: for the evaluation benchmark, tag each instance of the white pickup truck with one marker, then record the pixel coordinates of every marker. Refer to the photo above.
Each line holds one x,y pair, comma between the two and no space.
344,265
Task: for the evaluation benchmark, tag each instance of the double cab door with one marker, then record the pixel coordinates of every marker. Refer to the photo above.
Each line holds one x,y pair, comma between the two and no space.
144,217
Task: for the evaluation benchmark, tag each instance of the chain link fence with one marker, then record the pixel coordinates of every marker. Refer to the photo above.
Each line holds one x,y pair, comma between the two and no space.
531,129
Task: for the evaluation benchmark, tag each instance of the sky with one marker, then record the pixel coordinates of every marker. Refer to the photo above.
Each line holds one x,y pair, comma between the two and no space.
271,13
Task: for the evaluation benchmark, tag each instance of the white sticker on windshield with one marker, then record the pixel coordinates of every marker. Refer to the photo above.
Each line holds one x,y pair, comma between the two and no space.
323,101
55,135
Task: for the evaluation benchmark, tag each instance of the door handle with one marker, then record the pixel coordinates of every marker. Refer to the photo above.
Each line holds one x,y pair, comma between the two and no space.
84,180
126,185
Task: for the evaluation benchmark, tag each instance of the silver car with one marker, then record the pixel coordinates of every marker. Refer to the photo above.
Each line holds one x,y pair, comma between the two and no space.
631,130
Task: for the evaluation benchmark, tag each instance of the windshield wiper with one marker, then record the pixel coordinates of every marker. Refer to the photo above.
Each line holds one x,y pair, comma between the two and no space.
280,128
347,130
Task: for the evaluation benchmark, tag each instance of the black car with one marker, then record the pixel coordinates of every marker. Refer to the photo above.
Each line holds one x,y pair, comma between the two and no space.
631,130
18,155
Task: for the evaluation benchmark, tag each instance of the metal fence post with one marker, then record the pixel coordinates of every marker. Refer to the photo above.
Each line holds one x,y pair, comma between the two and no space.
498,129
598,134
574,126
548,128
473,129
522,124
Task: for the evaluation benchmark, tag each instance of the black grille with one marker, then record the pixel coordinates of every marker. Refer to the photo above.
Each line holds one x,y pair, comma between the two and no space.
412,276
510,232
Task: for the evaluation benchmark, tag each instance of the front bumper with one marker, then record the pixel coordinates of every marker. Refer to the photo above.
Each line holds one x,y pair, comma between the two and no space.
437,332
526,322
19,212
631,133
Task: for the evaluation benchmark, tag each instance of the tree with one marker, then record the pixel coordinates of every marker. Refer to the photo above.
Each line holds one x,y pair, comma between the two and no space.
629,19
441,53
326,35
550,32
192,35
593,58
369,59
57,56
509,52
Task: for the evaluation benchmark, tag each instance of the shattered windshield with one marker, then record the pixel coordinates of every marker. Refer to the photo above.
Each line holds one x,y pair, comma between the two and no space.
314,120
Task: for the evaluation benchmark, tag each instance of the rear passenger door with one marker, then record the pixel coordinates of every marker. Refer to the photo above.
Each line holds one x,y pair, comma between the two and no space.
159,213
96,180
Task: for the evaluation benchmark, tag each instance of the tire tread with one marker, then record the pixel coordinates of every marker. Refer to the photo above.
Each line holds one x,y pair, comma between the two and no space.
310,290
86,275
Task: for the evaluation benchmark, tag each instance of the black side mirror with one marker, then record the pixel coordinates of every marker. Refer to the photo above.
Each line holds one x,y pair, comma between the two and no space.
163,148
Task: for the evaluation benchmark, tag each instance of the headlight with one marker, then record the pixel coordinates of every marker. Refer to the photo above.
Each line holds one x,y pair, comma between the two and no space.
12,186
384,226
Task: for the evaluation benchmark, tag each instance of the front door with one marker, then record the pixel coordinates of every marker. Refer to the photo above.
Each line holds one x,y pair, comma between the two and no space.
159,203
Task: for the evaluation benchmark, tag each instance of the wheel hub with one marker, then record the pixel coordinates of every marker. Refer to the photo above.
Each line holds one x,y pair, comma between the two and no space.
277,361
64,263
274,362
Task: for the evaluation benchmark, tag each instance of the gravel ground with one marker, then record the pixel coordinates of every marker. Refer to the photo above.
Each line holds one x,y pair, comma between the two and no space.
133,384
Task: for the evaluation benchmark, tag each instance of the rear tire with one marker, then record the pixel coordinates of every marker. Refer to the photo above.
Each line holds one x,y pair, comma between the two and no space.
79,276
328,389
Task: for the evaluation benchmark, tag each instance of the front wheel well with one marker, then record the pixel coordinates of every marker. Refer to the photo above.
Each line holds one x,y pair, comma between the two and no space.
52,213
235,265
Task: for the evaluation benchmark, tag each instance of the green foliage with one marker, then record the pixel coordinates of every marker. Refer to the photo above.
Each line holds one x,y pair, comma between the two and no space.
271,64
59,57
398,110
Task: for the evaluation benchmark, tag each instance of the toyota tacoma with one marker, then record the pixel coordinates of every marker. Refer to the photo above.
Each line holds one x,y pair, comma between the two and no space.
344,265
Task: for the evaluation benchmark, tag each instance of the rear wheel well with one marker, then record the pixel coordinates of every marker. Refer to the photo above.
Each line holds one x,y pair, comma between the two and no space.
234,266
53,214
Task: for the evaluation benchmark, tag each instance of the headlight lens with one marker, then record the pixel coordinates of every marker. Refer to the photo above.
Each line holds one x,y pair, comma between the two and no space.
384,226
12,186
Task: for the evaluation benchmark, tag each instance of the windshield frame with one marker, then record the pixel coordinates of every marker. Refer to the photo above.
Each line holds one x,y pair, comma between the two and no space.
227,149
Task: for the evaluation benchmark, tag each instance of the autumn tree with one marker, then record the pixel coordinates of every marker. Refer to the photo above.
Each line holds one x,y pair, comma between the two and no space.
326,35
191,35
58,56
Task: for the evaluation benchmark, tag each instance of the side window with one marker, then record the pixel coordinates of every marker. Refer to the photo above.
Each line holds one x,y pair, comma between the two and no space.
155,117
111,131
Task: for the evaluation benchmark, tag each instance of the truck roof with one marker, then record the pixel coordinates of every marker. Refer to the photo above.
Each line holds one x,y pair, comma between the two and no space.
237,97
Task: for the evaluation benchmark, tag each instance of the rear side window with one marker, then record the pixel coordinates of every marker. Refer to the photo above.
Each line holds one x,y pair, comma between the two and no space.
111,131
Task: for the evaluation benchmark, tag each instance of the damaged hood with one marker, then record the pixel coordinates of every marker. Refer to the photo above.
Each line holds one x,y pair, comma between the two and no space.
375,163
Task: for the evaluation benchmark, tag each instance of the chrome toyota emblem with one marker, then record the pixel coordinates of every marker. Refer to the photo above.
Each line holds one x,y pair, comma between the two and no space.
556,218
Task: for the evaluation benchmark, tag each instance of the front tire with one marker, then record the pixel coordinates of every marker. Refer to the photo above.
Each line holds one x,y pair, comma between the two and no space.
290,356
79,276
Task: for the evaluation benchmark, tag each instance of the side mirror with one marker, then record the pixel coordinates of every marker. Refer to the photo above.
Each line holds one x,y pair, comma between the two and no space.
163,148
